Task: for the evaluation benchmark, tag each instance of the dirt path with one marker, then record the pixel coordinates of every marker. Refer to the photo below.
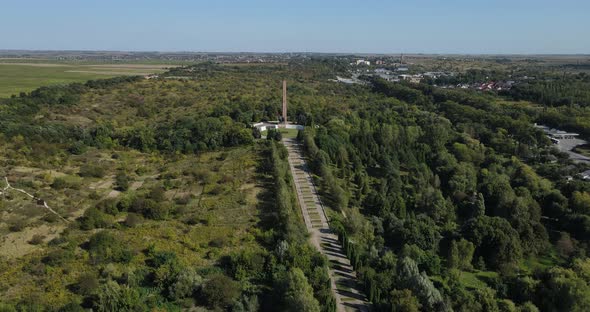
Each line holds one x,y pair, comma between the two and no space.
9,187
345,285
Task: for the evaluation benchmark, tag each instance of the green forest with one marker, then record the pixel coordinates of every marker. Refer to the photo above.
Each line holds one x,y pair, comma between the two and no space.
443,199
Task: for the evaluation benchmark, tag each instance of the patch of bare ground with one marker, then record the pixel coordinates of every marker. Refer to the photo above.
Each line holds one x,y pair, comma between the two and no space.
251,191
105,183
17,244
73,119
135,185
113,194
21,170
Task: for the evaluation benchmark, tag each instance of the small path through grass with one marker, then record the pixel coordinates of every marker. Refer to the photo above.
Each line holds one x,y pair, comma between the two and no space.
345,285
9,187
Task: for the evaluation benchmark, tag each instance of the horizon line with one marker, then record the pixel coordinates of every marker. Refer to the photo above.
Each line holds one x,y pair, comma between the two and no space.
298,52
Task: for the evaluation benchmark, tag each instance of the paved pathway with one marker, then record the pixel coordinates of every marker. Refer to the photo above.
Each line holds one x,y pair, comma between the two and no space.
345,286
567,146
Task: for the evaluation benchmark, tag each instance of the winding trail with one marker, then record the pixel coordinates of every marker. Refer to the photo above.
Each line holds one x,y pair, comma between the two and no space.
345,285
9,187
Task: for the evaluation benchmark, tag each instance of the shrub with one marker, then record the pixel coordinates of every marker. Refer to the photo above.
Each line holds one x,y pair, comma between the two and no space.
193,220
156,211
17,225
114,297
220,291
157,193
94,195
404,300
183,200
78,148
58,257
217,242
94,218
141,171
133,220
58,240
104,247
216,190
72,307
122,181
91,170
87,284
187,283
150,208
125,202
35,267
50,217
159,258
299,294
37,239
278,135
108,206
256,133
59,184
226,178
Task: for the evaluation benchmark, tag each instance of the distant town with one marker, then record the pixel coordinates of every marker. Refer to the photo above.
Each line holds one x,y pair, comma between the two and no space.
400,71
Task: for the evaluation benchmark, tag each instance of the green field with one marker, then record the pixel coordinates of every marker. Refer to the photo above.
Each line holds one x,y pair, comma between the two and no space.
287,133
19,76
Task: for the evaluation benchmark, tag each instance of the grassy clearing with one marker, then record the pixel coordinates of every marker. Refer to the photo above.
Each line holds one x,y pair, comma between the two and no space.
286,133
289,133
471,280
476,279
541,262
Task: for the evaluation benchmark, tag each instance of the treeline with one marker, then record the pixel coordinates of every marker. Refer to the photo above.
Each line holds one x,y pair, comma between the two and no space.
198,132
471,76
330,186
540,87
299,273
17,114
185,135
557,91
432,189
568,118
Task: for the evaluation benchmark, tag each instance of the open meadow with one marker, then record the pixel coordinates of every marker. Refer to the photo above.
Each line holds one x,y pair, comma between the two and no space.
24,75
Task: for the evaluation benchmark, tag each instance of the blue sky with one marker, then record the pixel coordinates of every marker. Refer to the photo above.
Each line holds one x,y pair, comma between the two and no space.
361,26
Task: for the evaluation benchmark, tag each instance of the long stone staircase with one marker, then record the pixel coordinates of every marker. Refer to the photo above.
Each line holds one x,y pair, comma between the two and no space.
345,285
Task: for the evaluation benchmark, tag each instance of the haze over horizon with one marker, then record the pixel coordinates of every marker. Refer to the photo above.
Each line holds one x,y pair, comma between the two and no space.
424,26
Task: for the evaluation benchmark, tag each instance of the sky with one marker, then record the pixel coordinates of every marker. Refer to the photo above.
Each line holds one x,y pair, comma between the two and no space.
343,26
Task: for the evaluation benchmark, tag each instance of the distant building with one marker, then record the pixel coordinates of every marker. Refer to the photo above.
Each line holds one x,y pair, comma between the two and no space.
434,75
347,80
362,62
415,79
382,71
263,126
411,78
556,135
